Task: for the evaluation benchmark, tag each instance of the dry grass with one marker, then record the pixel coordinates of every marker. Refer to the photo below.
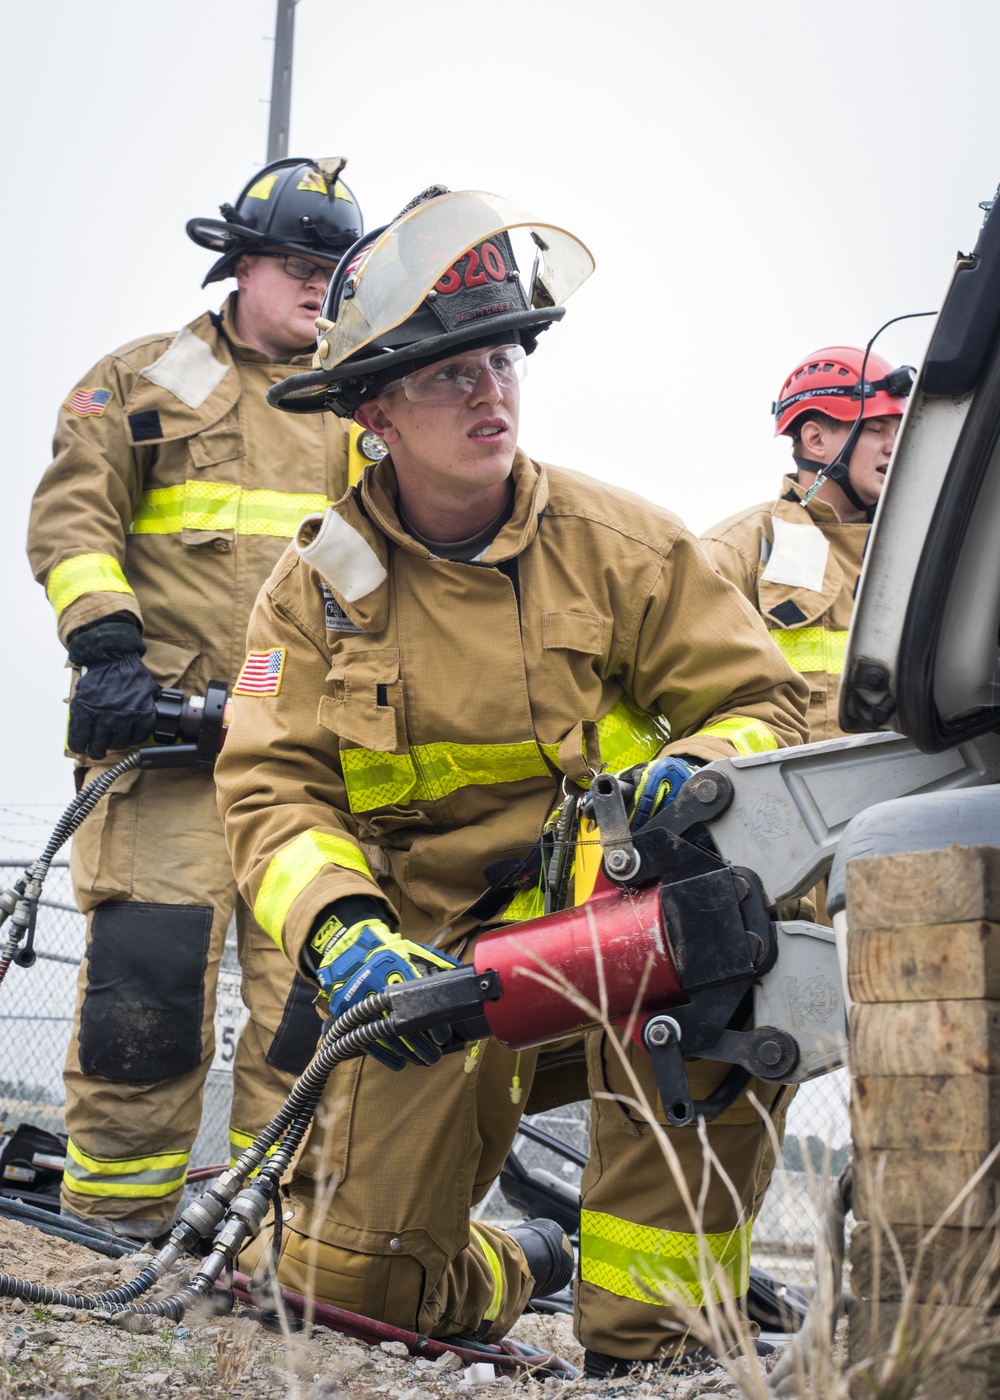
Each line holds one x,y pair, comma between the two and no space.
938,1338
234,1353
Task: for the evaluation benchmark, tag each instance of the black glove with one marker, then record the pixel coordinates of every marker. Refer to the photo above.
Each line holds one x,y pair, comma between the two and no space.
113,706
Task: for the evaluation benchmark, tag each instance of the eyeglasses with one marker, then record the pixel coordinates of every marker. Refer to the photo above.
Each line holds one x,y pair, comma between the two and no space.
450,381
300,268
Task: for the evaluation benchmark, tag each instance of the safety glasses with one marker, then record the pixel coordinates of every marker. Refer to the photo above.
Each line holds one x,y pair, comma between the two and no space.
450,381
300,268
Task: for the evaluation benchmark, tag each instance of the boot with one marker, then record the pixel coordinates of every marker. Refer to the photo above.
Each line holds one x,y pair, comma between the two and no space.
549,1253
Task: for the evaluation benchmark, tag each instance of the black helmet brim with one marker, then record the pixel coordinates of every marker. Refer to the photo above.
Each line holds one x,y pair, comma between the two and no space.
343,389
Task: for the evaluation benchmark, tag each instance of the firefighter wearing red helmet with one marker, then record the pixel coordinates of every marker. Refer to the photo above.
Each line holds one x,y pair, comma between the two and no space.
797,559
172,493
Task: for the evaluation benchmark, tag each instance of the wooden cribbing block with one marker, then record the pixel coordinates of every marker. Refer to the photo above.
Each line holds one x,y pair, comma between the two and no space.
919,1188
930,1334
958,885
941,1113
925,962
948,1265
925,1038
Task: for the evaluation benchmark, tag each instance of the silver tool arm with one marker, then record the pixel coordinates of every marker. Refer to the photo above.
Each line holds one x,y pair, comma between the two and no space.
790,807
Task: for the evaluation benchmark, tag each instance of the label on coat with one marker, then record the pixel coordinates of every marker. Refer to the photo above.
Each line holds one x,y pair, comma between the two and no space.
798,557
336,619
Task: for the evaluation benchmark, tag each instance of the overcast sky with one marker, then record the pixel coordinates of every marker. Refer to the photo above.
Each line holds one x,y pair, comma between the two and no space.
754,180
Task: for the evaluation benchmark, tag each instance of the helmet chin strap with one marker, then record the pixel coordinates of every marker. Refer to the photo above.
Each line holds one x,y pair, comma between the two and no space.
839,472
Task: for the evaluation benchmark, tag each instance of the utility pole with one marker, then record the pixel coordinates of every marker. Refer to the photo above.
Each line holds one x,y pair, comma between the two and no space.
281,81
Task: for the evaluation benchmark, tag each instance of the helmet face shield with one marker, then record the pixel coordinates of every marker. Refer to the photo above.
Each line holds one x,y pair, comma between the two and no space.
441,276
445,247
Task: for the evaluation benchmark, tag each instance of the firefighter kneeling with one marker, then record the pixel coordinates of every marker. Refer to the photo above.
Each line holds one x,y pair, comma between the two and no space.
465,632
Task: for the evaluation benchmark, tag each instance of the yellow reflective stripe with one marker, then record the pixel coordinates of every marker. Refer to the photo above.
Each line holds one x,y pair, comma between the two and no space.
746,735
526,904
127,1177
651,1266
493,1311
292,869
812,649
429,772
432,771
630,735
214,505
84,573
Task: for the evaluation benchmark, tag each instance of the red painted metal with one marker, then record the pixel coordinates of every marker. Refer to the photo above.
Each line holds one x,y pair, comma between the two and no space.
609,956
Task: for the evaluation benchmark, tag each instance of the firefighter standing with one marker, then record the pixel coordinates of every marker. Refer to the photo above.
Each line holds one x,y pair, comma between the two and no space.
431,660
799,566
172,493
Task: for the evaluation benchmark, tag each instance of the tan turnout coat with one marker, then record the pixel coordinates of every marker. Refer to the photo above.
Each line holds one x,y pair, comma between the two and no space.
799,568
429,708
172,497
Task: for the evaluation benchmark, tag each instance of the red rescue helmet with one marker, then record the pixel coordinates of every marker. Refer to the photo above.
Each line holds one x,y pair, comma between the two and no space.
829,381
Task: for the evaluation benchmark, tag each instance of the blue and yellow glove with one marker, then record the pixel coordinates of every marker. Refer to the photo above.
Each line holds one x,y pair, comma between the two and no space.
653,785
356,954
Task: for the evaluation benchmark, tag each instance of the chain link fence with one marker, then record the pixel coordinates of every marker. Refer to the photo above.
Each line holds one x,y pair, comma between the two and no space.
36,1016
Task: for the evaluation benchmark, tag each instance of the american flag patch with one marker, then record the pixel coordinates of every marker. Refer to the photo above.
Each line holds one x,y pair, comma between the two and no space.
261,674
89,403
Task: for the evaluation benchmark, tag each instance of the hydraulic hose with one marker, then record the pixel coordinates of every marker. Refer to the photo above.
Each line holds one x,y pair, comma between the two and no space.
506,1356
19,902
236,1208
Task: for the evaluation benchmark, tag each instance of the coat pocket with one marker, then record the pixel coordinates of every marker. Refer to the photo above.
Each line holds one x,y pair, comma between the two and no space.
222,442
573,631
364,701
168,662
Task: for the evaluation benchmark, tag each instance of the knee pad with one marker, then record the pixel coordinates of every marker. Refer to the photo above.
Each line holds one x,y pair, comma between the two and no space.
142,1011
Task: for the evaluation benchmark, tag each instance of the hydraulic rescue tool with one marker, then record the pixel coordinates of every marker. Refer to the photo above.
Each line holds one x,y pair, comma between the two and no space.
679,943
189,731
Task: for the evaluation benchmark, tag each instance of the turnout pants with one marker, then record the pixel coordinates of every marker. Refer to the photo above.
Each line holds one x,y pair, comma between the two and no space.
151,872
376,1213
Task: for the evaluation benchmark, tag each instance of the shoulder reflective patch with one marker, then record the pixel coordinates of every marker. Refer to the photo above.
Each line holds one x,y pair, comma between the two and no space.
262,672
798,556
187,369
89,403
341,555
262,189
336,619
313,181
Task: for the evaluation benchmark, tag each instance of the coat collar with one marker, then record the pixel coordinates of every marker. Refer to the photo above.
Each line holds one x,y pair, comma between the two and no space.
351,545
249,354
789,505
378,492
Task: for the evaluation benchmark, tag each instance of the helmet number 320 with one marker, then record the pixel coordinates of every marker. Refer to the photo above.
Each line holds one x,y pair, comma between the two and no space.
482,261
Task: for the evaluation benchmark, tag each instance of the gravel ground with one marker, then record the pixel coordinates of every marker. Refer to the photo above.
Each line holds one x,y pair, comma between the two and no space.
56,1352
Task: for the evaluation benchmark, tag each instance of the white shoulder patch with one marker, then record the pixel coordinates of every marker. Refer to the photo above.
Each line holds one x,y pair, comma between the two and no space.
798,557
187,369
340,555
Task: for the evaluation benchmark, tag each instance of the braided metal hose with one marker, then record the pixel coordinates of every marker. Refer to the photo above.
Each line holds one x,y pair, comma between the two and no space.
238,1211
19,902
